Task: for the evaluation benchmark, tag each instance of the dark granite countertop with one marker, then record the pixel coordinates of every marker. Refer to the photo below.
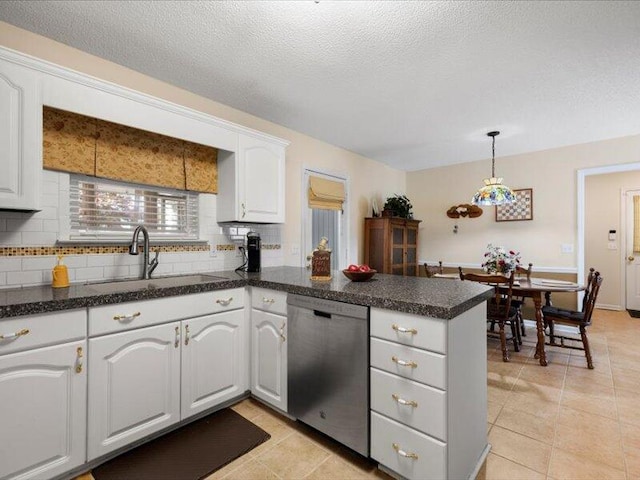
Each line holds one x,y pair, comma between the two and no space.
434,297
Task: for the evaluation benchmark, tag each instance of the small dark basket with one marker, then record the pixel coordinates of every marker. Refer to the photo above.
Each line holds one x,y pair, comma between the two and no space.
359,276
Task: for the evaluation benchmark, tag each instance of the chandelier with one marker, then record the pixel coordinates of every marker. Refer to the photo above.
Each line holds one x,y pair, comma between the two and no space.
493,192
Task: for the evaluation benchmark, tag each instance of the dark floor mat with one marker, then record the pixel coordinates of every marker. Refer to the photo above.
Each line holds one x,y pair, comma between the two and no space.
634,313
189,453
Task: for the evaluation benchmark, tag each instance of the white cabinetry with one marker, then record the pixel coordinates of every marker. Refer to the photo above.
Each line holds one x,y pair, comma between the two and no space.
145,379
20,137
42,395
134,386
252,182
214,360
269,346
428,393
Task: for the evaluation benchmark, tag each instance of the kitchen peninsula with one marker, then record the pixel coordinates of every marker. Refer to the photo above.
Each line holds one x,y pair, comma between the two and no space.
427,388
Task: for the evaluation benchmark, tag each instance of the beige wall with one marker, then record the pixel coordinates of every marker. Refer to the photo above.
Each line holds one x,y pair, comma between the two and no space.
368,178
552,175
603,207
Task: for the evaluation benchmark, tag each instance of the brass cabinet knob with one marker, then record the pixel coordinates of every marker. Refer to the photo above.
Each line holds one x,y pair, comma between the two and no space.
631,258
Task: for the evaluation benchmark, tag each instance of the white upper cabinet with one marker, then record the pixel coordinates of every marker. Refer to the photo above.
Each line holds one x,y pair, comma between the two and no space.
251,182
20,137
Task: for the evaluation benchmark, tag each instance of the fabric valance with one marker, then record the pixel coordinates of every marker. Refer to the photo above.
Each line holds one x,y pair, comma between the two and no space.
325,194
78,144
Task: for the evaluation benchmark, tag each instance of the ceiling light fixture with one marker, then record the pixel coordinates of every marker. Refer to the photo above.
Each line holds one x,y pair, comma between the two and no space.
493,192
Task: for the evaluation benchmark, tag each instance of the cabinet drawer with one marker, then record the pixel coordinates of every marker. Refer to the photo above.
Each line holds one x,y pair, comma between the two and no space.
22,333
413,330
269,300
413,363
416,405
390,440
126,316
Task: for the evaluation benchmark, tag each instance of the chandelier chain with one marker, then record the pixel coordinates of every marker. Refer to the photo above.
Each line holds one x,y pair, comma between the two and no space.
493,157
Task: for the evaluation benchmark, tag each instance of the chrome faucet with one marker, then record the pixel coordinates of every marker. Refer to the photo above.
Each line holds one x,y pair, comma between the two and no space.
147,267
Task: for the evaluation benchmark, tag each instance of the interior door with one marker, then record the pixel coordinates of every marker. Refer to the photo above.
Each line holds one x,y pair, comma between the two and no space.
632,258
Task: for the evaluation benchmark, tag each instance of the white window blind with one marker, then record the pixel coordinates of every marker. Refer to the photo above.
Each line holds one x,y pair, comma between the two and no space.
103,209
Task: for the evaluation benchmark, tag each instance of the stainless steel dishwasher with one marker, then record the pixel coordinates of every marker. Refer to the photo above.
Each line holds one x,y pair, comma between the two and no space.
328,368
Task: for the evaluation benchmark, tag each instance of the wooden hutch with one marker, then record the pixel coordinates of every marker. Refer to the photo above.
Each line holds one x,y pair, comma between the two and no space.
391,245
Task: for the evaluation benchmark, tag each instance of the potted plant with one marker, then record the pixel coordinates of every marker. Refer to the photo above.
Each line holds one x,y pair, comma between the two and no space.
399,206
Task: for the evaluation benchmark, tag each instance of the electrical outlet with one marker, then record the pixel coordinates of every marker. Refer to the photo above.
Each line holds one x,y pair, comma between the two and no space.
295,250
238,252
566,248
612,246
213,253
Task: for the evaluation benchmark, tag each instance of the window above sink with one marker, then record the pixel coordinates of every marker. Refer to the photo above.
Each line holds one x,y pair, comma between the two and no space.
103,209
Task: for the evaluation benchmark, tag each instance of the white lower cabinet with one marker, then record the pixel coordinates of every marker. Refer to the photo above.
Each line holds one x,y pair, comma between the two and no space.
134,386
43,394
429,394
269,347
145,379
214,363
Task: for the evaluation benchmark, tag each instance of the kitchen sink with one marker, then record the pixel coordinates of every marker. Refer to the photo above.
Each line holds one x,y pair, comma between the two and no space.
160,282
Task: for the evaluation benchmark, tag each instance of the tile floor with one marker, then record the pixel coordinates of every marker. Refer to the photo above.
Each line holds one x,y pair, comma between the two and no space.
565,421
559,422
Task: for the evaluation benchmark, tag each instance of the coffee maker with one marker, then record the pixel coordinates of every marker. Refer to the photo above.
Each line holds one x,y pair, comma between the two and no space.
253,252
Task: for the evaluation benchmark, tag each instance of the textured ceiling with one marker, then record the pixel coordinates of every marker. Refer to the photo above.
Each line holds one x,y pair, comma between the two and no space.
412,84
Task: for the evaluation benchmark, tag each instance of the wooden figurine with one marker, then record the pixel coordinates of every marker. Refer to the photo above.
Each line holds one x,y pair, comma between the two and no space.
321,261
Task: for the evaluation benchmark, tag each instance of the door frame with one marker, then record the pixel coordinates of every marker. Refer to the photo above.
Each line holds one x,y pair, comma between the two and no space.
306,218
580,211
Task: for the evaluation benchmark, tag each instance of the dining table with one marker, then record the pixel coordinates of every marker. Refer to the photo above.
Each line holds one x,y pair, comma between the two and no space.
534,288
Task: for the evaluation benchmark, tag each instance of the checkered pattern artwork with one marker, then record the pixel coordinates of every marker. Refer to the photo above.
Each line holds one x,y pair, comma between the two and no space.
522,209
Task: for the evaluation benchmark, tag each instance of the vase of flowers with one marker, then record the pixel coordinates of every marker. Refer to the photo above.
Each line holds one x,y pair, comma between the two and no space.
500,260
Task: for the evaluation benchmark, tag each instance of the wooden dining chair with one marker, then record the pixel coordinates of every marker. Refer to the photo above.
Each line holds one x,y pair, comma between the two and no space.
518,302
431,270
499,309
580,319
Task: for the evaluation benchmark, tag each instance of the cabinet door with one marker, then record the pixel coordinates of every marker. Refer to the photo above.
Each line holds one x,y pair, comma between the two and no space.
261,180
398,248
44,411
214,365
269,358
134,386
20,137
411,250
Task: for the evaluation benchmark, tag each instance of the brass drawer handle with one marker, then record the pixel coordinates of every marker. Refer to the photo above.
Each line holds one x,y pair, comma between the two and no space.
402,453
268,300
400,329
9,336
186,335
402,401
176,342
126,318
79,356
223,302
404,363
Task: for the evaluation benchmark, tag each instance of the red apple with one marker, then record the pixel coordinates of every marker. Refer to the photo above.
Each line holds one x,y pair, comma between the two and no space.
353,268
364,268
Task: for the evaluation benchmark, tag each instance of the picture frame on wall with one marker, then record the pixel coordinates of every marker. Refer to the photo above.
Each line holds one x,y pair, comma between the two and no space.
521,209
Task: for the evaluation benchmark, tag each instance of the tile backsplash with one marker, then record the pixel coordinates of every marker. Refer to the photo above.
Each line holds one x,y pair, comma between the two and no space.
28,244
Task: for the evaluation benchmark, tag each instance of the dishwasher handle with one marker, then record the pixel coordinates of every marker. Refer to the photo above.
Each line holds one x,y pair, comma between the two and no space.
319,313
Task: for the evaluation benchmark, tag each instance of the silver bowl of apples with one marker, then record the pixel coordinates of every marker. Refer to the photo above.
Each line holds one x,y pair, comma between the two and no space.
359,273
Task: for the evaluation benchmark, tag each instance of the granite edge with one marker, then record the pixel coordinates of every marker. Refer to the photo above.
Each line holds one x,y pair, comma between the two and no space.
93,300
